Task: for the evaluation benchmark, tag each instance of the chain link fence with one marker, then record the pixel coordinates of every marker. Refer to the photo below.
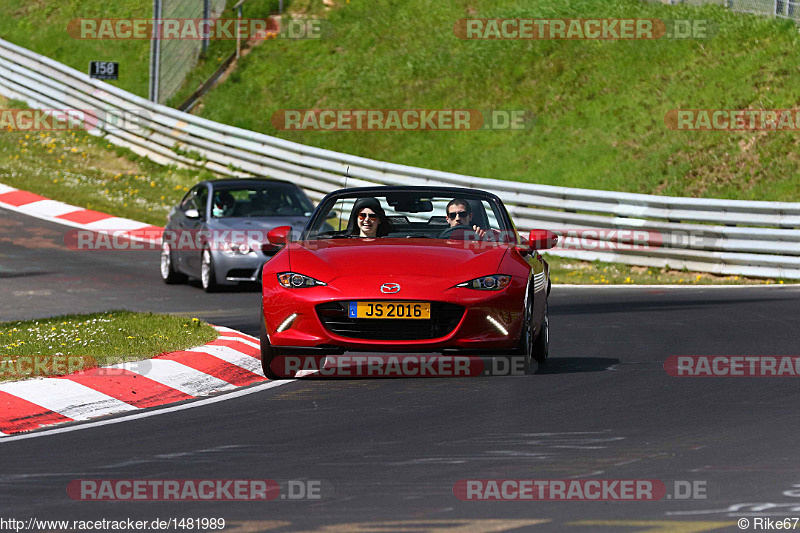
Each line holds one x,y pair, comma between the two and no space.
770,8
172,59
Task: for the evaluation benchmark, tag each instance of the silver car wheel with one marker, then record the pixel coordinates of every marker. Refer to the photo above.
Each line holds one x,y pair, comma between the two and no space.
205,269
166,259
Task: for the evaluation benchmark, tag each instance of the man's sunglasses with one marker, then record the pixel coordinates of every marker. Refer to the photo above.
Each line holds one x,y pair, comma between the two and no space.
372,216
462,214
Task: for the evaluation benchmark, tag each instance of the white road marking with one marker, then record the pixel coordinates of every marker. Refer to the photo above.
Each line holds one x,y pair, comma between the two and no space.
147,414
66,398
6,188
183,378
254,344
232,356
108,222
49,208
115,223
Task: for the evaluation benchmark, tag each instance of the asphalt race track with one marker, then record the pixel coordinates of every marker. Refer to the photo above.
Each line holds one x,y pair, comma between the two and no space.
388,452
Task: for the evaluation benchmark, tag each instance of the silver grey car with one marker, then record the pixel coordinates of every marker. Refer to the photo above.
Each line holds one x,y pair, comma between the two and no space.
218,232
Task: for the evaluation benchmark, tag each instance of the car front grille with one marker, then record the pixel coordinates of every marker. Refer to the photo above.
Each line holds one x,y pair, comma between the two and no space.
444,318
240,273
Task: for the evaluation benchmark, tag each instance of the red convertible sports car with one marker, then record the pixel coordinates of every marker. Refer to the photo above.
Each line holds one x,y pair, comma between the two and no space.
406,269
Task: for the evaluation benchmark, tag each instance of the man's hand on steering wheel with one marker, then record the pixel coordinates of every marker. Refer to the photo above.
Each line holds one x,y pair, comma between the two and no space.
484,234
452,229
480,231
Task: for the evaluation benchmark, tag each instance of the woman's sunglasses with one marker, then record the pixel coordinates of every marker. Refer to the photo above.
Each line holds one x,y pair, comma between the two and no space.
372,216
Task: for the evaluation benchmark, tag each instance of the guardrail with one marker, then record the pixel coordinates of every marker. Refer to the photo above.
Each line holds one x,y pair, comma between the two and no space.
731,237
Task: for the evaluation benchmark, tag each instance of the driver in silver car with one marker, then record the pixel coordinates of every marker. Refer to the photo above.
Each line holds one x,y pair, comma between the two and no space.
224,204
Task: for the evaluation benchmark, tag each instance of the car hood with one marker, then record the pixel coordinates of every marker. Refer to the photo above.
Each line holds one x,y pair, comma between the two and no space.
234,229
242,223
454,261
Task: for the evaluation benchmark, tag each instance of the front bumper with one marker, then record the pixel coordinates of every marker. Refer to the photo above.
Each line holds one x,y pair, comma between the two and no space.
487,320
233,269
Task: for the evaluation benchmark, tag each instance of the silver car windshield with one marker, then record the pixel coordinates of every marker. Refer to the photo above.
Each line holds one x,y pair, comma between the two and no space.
259,201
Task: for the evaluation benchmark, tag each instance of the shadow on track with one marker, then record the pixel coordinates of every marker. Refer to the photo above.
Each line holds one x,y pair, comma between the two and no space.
9,275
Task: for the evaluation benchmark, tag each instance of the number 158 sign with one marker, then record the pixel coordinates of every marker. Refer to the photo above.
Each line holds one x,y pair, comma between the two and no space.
104,70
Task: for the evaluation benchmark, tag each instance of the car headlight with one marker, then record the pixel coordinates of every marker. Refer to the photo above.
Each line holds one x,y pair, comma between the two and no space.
293,280
235,248
495,282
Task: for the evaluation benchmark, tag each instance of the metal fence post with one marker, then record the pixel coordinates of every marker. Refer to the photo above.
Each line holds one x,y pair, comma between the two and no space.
238,7
155,51
206,16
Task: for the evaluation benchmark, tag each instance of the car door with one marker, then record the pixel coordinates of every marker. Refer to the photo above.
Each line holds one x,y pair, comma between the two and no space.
188,255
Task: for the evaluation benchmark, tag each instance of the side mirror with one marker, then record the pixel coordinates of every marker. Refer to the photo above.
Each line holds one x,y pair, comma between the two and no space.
192,213
542,239
279,235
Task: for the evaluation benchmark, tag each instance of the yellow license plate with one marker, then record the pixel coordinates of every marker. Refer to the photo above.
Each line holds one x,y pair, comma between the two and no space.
405,310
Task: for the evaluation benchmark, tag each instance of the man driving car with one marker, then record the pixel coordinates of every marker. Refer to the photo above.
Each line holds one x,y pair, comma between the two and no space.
459,213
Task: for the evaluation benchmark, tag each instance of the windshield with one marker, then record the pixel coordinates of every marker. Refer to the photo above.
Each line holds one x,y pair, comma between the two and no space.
259,200
410,214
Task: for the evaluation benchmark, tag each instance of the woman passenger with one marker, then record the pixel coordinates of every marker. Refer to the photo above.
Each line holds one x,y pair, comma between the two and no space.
368,219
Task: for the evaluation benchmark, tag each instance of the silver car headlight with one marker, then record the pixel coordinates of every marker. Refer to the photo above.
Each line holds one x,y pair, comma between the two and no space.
235,248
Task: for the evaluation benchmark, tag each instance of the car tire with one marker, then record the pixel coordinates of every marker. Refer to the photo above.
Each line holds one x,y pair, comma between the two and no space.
541,346
208,276
268,354
525,347
168,273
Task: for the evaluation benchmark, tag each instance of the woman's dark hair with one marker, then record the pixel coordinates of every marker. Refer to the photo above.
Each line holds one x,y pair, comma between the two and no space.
384,225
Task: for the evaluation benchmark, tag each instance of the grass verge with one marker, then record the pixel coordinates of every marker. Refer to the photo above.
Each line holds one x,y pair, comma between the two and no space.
97,339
